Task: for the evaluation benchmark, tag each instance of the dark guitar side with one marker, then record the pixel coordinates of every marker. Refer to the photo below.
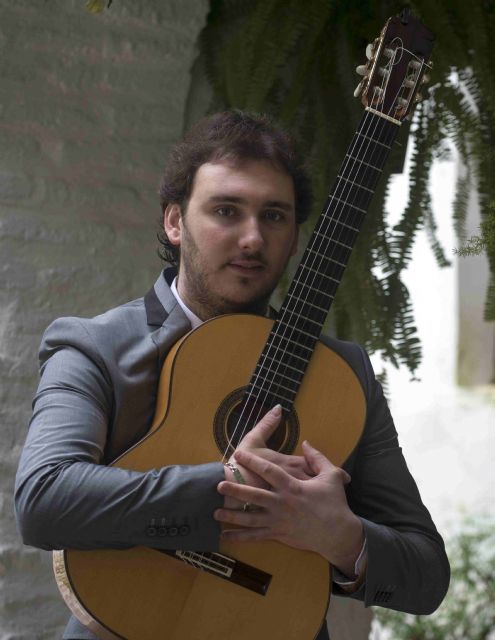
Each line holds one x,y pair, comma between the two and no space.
143,594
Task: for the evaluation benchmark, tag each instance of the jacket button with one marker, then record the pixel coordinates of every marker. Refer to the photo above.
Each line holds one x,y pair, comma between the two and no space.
151,531
173,531
184,529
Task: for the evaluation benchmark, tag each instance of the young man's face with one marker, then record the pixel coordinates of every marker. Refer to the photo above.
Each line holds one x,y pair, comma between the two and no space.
236,237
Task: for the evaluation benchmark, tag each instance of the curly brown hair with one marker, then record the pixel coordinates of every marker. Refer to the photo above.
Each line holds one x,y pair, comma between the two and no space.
235,135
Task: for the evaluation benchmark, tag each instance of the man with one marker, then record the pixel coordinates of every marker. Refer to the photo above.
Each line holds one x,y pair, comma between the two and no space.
232,197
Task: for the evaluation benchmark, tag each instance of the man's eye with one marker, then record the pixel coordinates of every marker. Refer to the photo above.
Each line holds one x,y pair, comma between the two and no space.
274,216
225,212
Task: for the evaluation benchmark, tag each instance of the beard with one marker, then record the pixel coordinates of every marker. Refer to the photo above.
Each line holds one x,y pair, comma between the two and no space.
202,298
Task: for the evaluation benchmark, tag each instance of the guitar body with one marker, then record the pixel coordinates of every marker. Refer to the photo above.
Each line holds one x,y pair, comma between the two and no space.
144,594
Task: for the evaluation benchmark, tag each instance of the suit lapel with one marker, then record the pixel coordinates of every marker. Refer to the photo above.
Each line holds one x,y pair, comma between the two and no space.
164,312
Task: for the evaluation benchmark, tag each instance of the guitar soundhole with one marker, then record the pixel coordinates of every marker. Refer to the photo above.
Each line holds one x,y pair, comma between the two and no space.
238,415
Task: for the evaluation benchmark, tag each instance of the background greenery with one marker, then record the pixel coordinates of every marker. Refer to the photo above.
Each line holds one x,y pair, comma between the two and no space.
296,60
467,612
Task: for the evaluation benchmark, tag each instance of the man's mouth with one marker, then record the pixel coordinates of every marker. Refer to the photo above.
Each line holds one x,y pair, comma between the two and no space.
247,267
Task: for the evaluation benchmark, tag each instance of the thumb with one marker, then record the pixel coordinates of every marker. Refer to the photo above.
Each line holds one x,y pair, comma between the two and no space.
265,427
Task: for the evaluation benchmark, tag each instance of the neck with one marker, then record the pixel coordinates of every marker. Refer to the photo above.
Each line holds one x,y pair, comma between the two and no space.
203,305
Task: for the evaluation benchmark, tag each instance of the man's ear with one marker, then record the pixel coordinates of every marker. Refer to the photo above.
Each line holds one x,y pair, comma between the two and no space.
172,223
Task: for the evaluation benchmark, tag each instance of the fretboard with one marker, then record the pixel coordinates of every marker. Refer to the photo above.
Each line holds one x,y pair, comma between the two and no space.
284,359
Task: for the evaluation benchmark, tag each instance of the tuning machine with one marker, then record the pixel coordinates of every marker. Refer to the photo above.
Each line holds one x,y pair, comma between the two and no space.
364,69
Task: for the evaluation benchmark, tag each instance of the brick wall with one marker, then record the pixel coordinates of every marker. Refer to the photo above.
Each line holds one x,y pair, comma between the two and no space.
89,105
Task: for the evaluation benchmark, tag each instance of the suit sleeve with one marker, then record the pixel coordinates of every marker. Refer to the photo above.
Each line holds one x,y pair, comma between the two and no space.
407,568
67,498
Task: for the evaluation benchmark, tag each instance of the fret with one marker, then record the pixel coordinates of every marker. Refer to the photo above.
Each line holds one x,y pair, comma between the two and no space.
271,388
291,355
347,226
360,186
347,204
306,333
268,397
349,217
284,359
320,273
367,164
342,244
300,315
298,344
322,255
283,364
274,380
382,144
312,304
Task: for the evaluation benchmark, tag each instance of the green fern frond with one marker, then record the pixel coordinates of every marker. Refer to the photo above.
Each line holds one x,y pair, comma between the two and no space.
460,205
485,241
296,61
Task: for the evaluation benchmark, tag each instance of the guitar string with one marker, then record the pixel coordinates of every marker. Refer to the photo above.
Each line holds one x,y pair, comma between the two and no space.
320,224
336,219
339,218
310,248
397,108
334,229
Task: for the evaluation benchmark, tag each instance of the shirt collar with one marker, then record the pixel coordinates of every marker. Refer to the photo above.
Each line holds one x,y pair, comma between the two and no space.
192,317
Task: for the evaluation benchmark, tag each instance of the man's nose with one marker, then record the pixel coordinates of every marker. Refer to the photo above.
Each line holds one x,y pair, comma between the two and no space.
251,237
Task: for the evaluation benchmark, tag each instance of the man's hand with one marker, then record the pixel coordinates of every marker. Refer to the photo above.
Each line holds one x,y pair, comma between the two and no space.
255,442
310,513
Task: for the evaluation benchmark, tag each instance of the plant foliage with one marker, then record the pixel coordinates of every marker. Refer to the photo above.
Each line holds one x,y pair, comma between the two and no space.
296,61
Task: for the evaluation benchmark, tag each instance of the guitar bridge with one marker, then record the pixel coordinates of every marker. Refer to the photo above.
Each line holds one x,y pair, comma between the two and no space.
225,567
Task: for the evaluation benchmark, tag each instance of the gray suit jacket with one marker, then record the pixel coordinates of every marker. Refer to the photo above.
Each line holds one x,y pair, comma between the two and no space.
96,398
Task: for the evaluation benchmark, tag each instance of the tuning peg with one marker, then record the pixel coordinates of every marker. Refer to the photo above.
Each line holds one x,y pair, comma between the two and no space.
369,51
389,53
362,69
425,79
358,89
401,102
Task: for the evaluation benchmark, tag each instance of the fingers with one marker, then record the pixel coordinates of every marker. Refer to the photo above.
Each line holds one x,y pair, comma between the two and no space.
271,473
296,466
246,493
251,519
319,462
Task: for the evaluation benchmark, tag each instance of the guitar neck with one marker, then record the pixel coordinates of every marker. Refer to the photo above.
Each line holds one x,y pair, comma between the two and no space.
288,350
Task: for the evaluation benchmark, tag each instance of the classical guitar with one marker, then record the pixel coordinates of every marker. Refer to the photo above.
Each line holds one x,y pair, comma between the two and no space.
265,589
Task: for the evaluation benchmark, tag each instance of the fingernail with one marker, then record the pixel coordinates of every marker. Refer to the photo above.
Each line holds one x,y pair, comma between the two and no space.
277,409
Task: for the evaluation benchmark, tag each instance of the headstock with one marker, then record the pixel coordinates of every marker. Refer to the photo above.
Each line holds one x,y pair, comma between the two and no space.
397,63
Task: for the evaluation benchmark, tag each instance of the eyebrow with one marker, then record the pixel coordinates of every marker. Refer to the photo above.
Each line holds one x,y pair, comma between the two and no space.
278,204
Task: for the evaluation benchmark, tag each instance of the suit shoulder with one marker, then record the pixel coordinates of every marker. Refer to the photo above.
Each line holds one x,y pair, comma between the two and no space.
89,335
